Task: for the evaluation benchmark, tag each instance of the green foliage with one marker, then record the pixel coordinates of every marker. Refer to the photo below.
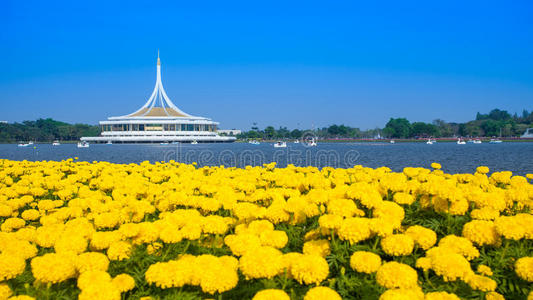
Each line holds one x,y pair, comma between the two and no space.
422,129
398,128
488,125
45,130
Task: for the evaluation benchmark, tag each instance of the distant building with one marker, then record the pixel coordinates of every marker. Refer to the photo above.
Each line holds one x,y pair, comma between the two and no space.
159,120
232,132
3,122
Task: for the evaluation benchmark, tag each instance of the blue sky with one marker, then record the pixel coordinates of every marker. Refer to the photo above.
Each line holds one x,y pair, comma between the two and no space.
281,63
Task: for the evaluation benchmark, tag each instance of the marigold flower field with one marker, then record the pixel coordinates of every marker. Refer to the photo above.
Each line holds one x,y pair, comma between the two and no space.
99,230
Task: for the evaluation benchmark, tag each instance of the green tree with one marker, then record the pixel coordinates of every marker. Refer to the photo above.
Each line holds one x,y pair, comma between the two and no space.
398,128
422,129
296,134
443,128
491,128
499,115
270,132
45,130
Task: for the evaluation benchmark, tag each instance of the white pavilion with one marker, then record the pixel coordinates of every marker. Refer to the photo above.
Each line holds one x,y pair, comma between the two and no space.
158,121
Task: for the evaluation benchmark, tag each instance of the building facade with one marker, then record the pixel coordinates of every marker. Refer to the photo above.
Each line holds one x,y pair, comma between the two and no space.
157,121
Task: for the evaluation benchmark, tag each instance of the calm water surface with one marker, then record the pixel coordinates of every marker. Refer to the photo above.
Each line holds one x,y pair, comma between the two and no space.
516,157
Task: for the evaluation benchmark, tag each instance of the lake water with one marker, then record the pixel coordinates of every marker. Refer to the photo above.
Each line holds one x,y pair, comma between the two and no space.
516,157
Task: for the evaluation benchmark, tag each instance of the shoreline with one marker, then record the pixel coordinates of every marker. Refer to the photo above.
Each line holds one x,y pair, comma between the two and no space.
386,141
345,140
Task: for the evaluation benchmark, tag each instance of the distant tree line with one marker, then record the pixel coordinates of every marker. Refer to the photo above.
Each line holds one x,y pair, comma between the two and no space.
497,122
45,130
333,131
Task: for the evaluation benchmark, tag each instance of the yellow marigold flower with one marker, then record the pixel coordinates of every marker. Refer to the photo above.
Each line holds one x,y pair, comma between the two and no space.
397,275
21,297
494,296
171,235
11,266
5,210
229,262
514,227
92,277
317,247
148,233
92,261
171,274
12,223
53,267
391,211
322,293
102,291
263,262
129,230
11,245
312,235
484,270
397,244
403,198
309,269
214,225
154,203
190,231
365,262
344,208
524,268
241,244
30,215
458,208
271,294
481,283
529,176
436,166
154,248
119,250
354,230
275,238
485,213
403,294
123,282
423,263
70,243
448,264
330,221
219,275
441,296
482,170
288,259
425,238
5,291
425,201
107,220
102,240
481,232
277,214
248,211
382,227
459,245
47,205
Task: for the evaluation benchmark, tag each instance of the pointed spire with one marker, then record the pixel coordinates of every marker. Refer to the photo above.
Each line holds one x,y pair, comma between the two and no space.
158,105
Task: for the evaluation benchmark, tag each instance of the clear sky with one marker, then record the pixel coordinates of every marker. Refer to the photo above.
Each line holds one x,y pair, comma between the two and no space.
290,63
